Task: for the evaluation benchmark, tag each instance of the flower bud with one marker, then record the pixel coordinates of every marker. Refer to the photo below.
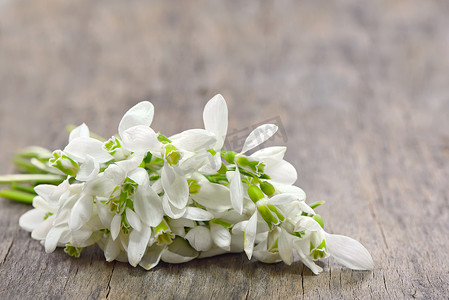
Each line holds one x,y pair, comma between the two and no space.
267,215
267,188
243,161
255,193
63,163
229,156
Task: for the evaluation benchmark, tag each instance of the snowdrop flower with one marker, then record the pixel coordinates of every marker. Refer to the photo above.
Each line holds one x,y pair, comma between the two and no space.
82,157
145,198
254,139
135,131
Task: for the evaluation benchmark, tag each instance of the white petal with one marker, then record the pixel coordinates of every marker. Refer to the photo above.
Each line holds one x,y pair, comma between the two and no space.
290,189
213,164
212,252
81,212
140,114
88,170
41,231
131,165
139,176
31,219
282,199
82,146
258,136
221,236
305,259
199,238
307,223
179,251
175,187
170,210
80,131
116,226
262,254
250,235
81,238
270,155
213,195
282,172
133,219
239,227
42,204
194,140
349,252
140,139
148,206
191,162
306,208
138,242
104,213
112,250
45,190
152,257
197,214
236,189
52,239
215,117
182,222
106,182
285,247
157,186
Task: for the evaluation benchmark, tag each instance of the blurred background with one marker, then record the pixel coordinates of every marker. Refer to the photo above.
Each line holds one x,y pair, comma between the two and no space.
360,88
67,62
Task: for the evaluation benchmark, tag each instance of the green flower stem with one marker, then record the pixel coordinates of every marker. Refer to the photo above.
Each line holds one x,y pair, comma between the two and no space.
316,204
221,222
17,196
244,172
25,165
41,178
23,188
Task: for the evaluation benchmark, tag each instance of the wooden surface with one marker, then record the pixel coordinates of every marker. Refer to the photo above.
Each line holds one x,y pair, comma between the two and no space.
360,88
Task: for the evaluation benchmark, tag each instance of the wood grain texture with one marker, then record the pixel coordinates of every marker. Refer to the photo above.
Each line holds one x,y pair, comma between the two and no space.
361,89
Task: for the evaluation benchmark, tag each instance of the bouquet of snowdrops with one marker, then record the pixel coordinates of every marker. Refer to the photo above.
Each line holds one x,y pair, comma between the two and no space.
143,197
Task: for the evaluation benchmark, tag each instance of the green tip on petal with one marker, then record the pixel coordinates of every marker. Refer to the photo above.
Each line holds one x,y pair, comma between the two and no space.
194,187
63,163
163,139
172,154
73,251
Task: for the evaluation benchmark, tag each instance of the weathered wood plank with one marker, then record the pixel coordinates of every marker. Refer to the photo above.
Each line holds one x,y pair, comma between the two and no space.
361,90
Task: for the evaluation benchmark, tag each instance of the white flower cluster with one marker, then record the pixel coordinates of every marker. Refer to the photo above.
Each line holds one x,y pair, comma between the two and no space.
144,197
